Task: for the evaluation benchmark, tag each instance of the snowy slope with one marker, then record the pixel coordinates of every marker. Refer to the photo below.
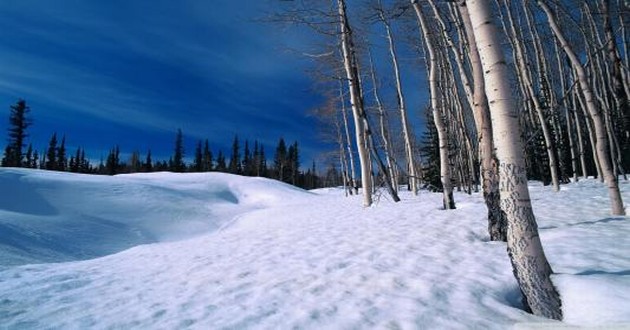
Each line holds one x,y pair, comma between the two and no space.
233,252
51,216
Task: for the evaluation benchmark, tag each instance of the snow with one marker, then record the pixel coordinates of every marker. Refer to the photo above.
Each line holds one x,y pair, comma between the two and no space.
213,250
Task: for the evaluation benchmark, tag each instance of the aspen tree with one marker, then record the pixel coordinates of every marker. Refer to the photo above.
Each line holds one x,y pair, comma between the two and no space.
445,175
356,100
531,269
406,130
497,225
383,124
523,72
602,143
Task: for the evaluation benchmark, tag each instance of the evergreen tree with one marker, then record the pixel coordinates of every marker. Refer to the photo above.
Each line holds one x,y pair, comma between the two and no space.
256,160
293,163
198,164
62,160
280,160
177,163
207,157
29,156
75,162
235,159
221,167
112,166
262,166
34,160
135,165
247,160
430,152
51,154
148,163
18,122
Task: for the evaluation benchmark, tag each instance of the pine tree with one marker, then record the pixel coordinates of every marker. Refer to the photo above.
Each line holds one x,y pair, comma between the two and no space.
235,159
113,161
51,154
198,163
134,162
430,152
148,163
62,160
280,160
207,157
247,160
221,167
293,163
177,164
29,156
19,122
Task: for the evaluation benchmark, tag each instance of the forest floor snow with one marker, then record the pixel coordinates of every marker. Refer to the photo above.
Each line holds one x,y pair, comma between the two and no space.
213,250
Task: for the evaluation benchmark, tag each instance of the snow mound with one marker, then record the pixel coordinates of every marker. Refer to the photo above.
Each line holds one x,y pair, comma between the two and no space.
52,216
275,257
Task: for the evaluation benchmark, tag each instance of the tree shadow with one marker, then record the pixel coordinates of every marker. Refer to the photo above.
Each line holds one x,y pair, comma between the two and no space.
601,272
587,223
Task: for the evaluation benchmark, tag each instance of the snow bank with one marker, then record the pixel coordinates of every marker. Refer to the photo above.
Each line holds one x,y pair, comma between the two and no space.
51,216
283,258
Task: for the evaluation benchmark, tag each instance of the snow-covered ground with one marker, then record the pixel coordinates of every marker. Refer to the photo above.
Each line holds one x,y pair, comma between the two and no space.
213,250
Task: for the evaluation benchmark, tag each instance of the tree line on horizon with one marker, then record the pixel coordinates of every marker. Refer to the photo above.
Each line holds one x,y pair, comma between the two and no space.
251,161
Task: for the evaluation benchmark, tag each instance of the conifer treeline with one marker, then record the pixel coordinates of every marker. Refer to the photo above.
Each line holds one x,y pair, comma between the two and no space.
252,161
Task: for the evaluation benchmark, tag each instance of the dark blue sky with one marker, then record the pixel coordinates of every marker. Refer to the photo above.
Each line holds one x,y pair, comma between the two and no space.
132,72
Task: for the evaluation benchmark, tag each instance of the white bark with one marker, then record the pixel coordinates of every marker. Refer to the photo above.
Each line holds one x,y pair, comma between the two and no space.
523,71
602,143
411,166
531,268
497,226
445,175
356,100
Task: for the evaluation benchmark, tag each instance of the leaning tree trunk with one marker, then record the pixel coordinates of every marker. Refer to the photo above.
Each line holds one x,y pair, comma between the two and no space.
358,111
445,175
383,124
603,152
530,265
497,226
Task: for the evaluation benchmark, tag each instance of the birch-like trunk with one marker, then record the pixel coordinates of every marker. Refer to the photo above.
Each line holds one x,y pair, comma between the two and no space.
411,165
530,265
523,71
602,143
497,225
353,186
356,100
383,123
445,175
619,94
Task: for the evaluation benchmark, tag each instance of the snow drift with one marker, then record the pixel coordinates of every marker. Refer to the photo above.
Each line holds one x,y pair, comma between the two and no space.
52,216
234,252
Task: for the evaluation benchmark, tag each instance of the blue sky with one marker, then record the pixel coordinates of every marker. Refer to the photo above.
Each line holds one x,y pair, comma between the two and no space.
132,72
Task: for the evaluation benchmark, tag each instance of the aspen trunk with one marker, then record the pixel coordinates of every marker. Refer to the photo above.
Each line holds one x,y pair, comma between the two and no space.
530,265
353,186
445,175
356,100
602,143
383,123
523,71
619,94
411,166
497,226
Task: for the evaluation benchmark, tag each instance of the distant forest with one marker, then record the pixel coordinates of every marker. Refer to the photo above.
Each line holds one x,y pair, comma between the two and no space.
244,159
